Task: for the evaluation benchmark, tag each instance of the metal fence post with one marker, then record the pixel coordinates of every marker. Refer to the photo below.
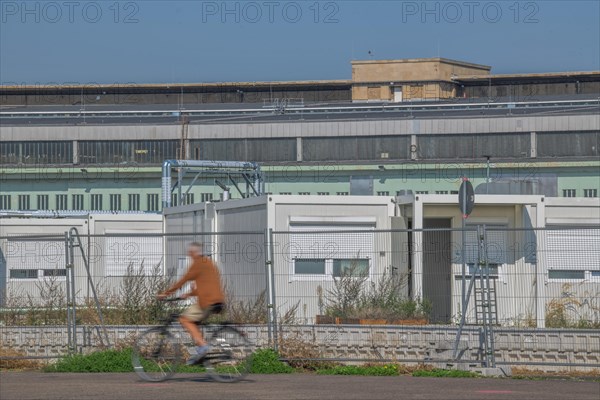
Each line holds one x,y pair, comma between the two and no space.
71,295
74,233
68,291
271,306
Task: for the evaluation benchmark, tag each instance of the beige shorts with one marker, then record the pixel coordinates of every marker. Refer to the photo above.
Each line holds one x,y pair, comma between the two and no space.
194,313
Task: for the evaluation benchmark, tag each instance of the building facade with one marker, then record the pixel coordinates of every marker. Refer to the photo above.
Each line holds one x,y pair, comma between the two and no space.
87,157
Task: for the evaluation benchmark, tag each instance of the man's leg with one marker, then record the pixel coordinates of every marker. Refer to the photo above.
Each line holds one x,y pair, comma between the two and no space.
188,320
193,329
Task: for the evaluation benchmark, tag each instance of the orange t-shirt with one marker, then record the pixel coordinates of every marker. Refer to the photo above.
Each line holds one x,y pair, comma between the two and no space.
206,275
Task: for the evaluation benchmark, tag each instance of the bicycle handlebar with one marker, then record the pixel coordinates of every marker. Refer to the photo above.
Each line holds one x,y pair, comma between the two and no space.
172,299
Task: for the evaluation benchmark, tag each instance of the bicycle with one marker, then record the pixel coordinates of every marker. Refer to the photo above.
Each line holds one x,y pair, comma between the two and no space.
157,353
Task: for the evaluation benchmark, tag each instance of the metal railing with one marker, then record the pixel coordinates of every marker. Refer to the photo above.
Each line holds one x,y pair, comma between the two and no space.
297,107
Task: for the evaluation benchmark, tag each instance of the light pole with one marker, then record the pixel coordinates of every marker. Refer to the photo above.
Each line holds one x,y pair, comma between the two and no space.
83,104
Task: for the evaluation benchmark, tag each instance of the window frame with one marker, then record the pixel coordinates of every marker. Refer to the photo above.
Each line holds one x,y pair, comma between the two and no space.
590,277
328,274
558,280
12,279
308,225
60,277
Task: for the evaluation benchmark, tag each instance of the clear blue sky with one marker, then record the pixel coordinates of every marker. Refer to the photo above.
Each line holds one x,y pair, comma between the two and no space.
73,41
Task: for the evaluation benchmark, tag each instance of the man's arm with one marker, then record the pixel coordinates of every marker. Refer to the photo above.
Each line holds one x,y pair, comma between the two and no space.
189,276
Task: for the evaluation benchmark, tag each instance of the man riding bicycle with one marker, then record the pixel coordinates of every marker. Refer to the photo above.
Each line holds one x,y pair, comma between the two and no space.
208,291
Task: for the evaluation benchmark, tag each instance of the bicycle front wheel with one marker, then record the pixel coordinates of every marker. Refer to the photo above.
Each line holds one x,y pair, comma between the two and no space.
156,355
229,357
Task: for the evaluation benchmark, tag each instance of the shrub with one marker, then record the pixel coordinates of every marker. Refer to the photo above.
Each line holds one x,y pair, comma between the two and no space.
266,361
248,311
137,295
101,361
351,297
574,311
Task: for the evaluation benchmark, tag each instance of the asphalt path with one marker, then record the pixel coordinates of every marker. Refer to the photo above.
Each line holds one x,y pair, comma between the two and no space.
47,386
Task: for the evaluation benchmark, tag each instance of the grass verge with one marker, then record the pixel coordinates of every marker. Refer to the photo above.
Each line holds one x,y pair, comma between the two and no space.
17,364
265,361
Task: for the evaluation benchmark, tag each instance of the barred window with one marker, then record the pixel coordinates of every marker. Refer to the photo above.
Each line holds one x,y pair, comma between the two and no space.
96,202
153,202
24,202
356,148
115,202
275,149
77,202
189,198
134,202
590,192
205,197
42,202
61,202
55,152
134,151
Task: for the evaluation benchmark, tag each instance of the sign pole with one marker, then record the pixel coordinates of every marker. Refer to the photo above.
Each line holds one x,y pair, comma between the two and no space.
466,199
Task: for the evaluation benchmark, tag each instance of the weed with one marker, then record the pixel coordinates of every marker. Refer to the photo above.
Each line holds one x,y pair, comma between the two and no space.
351,297
100,361
526,373
367,370
266,361
17,363
250,311
137,300
445,373
572,311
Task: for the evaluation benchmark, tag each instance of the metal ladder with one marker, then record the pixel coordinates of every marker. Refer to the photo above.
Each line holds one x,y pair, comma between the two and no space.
487,307
484,308
483,272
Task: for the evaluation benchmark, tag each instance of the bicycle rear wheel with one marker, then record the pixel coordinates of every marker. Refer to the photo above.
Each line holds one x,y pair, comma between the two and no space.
156,355
229,357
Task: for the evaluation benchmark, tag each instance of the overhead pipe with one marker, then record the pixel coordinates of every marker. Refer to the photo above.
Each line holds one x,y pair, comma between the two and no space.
239,165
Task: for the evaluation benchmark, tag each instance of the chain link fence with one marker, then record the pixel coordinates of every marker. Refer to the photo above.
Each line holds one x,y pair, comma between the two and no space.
482,294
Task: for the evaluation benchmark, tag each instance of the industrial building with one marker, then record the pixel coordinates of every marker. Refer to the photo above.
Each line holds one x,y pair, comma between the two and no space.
397,127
